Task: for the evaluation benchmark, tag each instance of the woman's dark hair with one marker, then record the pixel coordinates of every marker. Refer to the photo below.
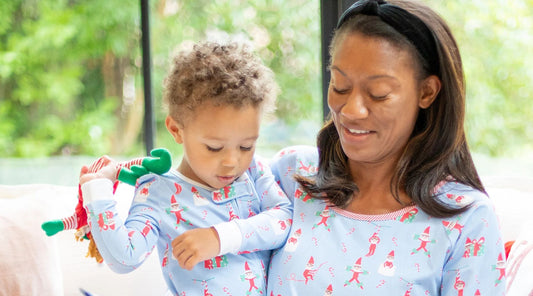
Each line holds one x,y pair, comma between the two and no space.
437,148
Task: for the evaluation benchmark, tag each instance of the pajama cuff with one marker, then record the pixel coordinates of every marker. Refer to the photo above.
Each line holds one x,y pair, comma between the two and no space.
97,189
230,237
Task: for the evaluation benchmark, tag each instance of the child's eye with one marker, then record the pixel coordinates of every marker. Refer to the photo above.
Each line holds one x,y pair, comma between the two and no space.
247,148
212,149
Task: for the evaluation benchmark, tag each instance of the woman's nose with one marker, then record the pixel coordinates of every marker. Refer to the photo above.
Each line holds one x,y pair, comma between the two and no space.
354,107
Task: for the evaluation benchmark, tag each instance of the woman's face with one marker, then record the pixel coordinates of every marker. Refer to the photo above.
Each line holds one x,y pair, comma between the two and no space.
374,98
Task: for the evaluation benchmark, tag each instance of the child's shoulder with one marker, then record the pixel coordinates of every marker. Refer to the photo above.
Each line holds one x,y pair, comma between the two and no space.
164,180
301,159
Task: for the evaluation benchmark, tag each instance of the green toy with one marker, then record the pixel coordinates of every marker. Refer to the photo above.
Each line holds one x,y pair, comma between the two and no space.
128,172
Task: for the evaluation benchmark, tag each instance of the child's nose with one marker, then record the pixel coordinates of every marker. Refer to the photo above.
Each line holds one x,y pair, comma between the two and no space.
231,158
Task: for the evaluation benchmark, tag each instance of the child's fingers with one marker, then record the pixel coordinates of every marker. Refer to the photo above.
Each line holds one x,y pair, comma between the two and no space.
186,252
84,170
187,259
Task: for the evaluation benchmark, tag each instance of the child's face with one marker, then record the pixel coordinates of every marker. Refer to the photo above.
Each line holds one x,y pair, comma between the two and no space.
218,143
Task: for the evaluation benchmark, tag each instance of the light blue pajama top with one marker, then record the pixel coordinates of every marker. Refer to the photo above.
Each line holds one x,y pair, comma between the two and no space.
168,205
334,252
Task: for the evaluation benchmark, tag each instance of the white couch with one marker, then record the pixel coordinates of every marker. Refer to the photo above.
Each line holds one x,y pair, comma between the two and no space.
33,264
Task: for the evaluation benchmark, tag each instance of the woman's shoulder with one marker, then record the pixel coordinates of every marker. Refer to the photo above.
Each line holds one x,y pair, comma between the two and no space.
455,194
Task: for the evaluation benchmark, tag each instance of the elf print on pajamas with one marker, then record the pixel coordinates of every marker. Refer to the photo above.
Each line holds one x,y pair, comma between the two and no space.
171,210
416,254
309,271
249,276
459,285
374,241
324,215
424,240
356,269
500,267
177,210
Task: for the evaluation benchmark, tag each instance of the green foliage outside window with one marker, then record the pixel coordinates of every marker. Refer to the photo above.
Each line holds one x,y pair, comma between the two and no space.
70,71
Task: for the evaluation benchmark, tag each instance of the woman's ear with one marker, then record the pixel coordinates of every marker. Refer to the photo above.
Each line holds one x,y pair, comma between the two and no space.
429,91
175,129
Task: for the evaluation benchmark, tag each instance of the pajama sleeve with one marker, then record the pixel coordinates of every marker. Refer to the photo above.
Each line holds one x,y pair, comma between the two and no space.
476,265
269,228
123,245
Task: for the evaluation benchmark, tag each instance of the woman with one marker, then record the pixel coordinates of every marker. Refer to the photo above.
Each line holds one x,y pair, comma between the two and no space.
395,206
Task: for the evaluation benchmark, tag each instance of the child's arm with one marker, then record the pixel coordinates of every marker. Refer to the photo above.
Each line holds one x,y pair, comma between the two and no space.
124,245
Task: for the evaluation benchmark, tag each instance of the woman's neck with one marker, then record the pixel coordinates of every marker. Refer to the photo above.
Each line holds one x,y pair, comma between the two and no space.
375,193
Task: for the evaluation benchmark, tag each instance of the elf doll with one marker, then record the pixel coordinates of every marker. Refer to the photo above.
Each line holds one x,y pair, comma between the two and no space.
128,172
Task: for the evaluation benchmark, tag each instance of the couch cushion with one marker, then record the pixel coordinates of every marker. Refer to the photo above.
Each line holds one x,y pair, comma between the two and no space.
29,261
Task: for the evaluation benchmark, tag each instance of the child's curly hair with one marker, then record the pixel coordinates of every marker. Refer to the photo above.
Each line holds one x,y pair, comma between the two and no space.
224,75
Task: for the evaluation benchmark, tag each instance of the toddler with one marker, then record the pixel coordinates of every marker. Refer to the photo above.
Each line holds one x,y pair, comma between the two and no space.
216,217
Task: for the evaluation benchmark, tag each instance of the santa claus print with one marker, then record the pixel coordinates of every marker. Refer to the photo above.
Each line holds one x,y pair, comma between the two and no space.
452,225
292,241
424,239
387,268
459,285
356,270
142,193
198,199
459,199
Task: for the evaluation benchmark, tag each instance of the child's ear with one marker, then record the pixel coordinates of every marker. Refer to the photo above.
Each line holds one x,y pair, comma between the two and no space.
429,91
175,129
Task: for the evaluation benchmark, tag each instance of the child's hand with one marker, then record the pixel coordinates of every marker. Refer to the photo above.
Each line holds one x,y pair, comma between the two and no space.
195,245
108,171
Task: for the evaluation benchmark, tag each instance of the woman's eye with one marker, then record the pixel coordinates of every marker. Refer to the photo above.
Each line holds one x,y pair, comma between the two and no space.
379,97
340,91
212,149
243,148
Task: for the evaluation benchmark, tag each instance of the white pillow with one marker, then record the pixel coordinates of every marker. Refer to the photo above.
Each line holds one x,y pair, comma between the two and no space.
519,270
29,261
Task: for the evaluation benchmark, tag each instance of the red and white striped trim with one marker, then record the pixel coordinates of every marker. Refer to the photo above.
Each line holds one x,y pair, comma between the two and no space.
381,217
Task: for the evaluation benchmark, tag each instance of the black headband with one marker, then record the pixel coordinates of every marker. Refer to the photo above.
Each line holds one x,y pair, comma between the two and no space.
407,24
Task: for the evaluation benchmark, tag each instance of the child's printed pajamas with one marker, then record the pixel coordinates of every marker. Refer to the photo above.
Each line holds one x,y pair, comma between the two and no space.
168,205
334,252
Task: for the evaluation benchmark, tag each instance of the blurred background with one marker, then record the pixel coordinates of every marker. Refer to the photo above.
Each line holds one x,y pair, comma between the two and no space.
71,85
